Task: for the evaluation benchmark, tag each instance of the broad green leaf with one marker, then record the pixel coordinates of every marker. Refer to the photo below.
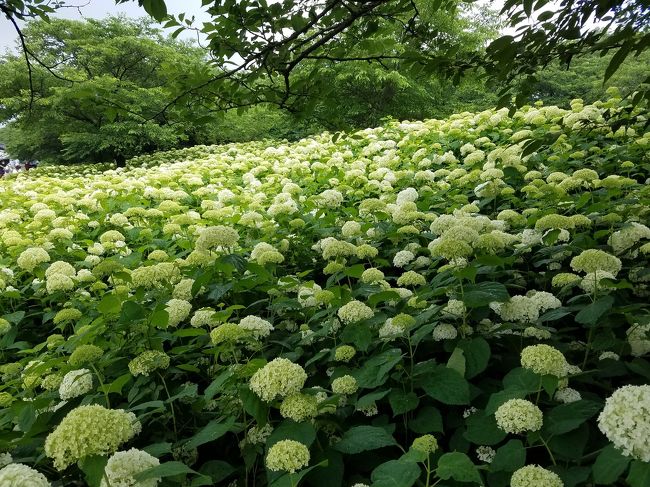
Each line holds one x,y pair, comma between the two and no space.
609,465
290,430
639,474
589,315
109,304
370,399
457,361
428,420
509,457
477,355
167,469
93,469
363,438
567,417
402,402
212,431
482,429
447,386
484,293
374,372
459,467
395,473
254,405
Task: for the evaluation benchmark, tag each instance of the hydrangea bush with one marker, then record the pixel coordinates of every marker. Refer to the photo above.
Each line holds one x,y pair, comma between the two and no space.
447,302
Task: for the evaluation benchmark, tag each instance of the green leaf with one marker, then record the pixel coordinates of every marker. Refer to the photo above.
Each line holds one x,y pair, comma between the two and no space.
160,319
428,420
447,386
363,438
156,8
290,430
477,356
370,399
117,385
482,429
457,361
109,305
609,465
402,402
158,449
484,293
589,315
131,311
254,405
568,417
212,431
395,473
639,474
617,59
216,384
167,469
459,467
510,457
374,372
382,297
93,469
498,398
357,334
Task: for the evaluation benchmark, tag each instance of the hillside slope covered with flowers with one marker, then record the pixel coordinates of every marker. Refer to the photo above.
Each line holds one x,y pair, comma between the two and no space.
448,302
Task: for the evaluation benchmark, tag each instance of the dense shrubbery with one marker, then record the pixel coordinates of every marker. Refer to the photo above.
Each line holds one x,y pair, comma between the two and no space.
442,303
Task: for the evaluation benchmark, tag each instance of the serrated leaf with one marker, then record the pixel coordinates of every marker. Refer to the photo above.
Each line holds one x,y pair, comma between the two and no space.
610,464
395,473
459,467
363,438
447,386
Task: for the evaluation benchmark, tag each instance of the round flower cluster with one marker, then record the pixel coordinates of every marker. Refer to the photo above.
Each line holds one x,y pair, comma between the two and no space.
227,333
202,317
32,257
372,276
279,378
625,420
344,385
258,327
638,336
85,354
355,311
518,415
344,353
67,315
628,236
19,475
178,310
402,258
124,465
257,435
89,430
411,278
75,383
218,236
426,444
535,476
444,331
264,253
148,361
299,407
287,456
544,360
593,260
521,309
485,453
567,395
5,326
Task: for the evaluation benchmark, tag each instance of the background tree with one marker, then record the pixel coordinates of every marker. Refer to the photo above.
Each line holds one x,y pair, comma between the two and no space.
101,96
